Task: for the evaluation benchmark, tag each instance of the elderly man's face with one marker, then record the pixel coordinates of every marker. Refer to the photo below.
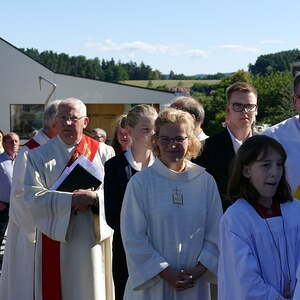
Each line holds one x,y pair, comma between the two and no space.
11,144
98,136
70,123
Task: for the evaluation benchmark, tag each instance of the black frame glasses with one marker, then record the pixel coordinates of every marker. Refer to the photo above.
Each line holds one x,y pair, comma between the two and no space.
239,107
167,140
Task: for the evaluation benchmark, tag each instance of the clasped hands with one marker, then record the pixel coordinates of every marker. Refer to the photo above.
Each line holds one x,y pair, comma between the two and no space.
183,279
82,200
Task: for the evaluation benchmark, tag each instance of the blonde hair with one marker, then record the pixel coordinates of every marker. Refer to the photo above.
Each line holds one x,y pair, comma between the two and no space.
138,111
177,117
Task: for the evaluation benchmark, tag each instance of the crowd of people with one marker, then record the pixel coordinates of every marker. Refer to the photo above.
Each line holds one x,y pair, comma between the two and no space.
175,211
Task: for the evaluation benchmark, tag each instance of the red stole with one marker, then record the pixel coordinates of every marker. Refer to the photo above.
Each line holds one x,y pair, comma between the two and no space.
32,144
265,212
51,279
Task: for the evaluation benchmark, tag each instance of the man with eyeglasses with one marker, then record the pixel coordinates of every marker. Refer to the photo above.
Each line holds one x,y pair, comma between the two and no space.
106,151
72,244
219,150
287,133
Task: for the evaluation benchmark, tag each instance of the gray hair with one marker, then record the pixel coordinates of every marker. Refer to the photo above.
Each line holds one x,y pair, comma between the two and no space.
50,113
100,132
76,102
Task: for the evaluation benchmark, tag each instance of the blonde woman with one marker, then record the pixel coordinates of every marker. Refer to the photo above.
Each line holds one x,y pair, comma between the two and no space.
118,171
169,218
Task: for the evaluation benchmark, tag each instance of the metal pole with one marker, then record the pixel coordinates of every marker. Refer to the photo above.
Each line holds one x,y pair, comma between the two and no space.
52,91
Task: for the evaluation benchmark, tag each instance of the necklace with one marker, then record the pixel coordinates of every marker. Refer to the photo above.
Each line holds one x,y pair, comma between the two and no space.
177,196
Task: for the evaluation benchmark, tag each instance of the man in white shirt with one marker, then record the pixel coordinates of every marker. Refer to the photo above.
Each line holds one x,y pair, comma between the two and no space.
219,150
287,133
11,143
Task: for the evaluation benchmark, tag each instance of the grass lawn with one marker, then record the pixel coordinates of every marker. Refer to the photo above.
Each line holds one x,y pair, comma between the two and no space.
169,83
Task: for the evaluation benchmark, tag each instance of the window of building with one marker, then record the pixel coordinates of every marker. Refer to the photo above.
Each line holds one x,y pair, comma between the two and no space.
25,118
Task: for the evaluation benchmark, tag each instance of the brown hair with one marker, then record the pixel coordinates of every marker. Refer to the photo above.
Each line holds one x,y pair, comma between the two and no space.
119,123
254,148
190,105
239,86
175,116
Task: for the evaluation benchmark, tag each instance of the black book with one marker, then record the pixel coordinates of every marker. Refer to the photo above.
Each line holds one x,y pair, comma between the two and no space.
79,178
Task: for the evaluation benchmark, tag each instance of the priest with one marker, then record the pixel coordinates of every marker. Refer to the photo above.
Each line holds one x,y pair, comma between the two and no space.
72,253
18,261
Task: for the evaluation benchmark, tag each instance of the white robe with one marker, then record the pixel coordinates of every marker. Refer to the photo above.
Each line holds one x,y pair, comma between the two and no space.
106,152
85,260
157,233
249,264
16,281
287,133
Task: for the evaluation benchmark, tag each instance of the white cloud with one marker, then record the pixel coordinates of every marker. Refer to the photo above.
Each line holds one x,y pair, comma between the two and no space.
272,42
239,48
135,46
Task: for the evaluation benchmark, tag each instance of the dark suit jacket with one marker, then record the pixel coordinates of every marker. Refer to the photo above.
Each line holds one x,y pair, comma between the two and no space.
216,158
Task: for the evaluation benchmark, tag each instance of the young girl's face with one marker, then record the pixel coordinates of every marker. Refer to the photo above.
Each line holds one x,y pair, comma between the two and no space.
143,130
265,173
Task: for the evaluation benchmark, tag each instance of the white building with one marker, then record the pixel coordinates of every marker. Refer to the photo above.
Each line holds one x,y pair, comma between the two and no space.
23,93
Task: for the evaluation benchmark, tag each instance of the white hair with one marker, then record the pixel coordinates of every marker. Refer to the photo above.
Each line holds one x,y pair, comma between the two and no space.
76,102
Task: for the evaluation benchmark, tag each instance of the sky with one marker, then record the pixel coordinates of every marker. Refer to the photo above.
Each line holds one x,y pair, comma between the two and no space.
189,37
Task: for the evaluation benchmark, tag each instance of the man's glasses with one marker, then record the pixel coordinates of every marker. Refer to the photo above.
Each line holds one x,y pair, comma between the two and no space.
239,107
166,140
64,119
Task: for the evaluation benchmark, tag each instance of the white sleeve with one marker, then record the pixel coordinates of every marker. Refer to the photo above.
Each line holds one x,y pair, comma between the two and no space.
50,210
209,253
143,261
239,275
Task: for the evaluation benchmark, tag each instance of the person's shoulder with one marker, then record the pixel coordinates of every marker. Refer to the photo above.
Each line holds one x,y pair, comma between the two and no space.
237,212
293,206
218,136
216,140
3,158
45,149
116,161
200,171
280,127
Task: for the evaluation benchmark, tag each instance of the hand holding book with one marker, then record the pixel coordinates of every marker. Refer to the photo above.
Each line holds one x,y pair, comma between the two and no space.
83,200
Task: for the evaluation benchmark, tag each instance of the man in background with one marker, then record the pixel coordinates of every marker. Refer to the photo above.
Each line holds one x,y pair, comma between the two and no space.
219,149
11,143
106,151
195,108
18,261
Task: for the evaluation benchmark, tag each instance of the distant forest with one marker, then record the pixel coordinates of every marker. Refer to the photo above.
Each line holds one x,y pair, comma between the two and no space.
107,70
110,70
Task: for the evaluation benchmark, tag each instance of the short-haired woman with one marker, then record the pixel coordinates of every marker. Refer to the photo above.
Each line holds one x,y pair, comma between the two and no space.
169,218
